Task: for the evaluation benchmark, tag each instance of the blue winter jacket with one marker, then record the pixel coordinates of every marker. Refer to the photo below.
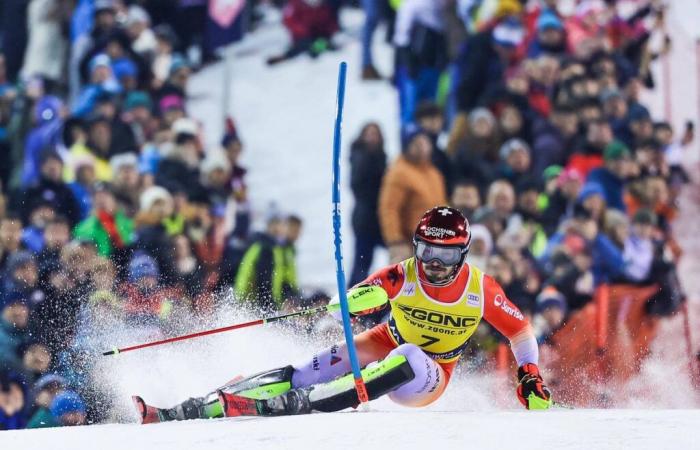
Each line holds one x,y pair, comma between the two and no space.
608,262
612,186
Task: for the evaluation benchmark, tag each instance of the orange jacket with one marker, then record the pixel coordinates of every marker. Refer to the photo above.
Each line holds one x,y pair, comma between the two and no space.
408,190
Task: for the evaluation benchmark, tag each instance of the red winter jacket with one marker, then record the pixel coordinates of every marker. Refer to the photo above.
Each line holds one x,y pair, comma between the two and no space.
309,22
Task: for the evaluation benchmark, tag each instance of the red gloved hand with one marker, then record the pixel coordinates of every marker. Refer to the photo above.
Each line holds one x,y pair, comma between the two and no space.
530,382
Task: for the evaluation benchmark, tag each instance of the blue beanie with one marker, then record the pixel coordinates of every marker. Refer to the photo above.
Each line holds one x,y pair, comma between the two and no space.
590,189
142,266
124,67
67,402
549,20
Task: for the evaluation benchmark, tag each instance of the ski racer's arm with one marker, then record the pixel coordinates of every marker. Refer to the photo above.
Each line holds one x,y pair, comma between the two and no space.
390,279
503,315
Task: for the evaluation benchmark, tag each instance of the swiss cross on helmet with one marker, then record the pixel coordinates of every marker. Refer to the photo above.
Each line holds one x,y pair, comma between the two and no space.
442,235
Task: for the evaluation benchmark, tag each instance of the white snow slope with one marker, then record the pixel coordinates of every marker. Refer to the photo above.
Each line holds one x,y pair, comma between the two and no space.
571,430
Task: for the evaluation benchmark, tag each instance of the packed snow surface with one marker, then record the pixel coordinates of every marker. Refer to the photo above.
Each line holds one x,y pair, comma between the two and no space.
405,429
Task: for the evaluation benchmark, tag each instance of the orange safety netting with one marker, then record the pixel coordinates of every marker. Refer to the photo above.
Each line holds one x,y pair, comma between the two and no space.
601,346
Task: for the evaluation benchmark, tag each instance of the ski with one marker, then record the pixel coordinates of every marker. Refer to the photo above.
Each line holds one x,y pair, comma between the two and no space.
149,414
236,405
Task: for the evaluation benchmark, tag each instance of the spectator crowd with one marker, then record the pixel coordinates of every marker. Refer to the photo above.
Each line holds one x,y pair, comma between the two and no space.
526,119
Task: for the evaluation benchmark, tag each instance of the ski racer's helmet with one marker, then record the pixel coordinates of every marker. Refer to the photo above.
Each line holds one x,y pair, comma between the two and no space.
442,235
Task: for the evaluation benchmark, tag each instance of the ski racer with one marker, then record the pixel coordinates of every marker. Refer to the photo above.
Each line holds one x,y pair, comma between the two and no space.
436,301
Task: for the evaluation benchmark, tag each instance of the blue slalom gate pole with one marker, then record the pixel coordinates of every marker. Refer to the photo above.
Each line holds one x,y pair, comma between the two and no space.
340,273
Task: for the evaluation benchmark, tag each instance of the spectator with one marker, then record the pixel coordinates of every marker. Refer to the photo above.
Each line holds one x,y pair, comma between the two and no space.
501,199
176,82
515,157
56,236
411,186
607,261
146,300
215,173
612,176
367,167
554,138
51,190
137,115
429,118
311,25
592,199
189,270
178,171
108,227
21,279
550,36
475,151
143,39
46,49
90,143
84,169
421,53
550,310
293,232
481,246
166,41
483,60
36,360
639,247
126,183
45,390
154,227
40,214
261,277
55,318
48,115
102,81
590,154
374,12
14,331
561,202
466,198
68,409
11,401
10,237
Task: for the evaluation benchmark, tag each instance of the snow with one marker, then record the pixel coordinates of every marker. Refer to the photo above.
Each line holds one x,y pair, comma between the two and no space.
562,429
285,115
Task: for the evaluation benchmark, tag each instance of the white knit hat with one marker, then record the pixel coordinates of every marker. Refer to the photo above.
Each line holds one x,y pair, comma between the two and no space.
122,160
184,125
215,159
151,195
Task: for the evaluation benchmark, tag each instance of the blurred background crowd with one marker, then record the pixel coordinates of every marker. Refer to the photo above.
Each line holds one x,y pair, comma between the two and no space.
112,210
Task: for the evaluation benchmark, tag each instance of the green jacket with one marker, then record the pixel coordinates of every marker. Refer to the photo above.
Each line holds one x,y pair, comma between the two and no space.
267,274
42,418
92,229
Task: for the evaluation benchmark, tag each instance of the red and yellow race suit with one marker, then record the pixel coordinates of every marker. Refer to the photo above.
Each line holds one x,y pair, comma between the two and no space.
441,319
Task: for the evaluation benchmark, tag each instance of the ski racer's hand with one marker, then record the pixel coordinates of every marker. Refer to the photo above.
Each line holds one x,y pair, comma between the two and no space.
374,291
531,390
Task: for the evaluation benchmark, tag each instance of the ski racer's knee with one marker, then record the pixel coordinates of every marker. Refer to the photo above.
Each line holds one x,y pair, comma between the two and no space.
428,383
412,352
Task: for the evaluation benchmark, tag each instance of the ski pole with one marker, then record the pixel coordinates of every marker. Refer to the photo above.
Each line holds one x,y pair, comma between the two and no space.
359,299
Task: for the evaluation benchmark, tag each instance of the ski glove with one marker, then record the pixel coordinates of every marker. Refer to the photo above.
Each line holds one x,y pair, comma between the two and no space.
532,392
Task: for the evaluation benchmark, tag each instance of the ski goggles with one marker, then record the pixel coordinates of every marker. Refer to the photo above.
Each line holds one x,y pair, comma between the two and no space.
447,256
